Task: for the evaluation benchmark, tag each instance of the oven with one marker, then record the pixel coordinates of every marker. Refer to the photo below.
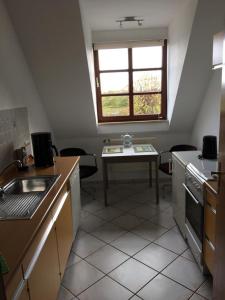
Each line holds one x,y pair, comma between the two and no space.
194,215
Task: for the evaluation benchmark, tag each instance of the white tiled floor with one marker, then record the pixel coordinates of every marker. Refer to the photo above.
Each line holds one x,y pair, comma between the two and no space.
133,275
131,250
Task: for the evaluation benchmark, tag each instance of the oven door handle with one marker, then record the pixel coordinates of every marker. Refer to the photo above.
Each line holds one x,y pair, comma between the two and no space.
190,193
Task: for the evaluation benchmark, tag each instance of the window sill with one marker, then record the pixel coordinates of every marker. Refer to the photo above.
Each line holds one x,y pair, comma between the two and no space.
133,127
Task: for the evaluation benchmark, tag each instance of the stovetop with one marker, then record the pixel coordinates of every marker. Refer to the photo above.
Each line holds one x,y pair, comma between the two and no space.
203,168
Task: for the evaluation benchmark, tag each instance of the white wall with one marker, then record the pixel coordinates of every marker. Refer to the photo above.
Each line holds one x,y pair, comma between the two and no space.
89,51
17,88
208,118
178,37
55,49
129,35
195,77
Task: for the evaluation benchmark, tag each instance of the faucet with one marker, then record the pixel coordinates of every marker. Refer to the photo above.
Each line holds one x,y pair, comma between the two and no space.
19,165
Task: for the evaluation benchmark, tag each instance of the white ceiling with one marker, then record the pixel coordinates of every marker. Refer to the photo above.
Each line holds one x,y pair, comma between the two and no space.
102,14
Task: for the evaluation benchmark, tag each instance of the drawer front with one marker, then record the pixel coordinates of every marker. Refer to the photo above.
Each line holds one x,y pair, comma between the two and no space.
209,254
210,222
14,283
211,198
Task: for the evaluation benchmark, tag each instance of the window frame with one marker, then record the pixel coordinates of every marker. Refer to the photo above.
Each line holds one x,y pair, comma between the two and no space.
131,94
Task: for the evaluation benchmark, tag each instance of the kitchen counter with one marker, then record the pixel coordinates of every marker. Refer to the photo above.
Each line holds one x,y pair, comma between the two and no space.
187,157
201,167
16,235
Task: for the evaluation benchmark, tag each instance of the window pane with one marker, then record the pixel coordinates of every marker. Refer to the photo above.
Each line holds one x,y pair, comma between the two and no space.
147,57
113,106
147,104
113,59
147,81
114,83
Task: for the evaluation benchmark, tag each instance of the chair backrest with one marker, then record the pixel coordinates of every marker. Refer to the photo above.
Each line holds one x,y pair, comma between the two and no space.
72,152
178,148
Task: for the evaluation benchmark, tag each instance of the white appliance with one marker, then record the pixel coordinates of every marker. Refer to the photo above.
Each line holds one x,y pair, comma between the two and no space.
195,176
75,197
178,199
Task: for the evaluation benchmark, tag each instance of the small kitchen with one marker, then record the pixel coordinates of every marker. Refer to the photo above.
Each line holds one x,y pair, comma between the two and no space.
88,209
44,230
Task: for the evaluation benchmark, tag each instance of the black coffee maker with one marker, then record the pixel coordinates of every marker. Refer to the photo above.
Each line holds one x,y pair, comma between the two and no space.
43,149
209,148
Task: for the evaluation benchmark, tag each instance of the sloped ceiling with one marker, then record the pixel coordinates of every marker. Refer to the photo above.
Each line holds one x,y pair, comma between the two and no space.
197,68
156,13
50,33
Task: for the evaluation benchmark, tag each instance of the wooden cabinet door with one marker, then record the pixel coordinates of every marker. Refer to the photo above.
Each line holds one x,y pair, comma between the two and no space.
219,268
44,279
64,233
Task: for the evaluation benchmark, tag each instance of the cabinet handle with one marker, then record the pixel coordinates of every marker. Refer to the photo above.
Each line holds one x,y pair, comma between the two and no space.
44,238
63,199
210,244
211,208
38,251
219,173
19,290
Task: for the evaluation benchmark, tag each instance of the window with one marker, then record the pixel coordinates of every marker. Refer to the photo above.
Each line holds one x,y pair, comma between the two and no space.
131,81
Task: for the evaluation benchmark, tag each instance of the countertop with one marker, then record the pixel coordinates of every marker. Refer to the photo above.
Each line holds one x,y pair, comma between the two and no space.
17,235
202,167
186,157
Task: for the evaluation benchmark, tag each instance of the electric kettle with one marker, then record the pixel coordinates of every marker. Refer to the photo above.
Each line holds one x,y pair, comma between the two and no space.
127,140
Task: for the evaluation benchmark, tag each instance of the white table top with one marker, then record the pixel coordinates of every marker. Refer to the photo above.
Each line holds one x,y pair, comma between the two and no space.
129,151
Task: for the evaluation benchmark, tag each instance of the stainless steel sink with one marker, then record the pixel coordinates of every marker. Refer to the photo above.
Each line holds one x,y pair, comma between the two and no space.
23,196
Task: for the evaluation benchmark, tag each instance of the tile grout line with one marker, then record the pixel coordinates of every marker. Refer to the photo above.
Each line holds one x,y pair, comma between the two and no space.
130,231
127,231
130,256
146,220
106,274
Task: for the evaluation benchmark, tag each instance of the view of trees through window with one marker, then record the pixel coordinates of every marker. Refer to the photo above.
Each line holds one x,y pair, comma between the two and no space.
149,104
125,92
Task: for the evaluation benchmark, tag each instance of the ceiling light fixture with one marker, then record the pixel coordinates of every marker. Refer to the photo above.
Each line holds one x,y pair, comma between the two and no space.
130,19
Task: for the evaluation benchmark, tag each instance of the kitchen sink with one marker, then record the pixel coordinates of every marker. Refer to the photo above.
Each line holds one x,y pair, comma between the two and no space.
22,196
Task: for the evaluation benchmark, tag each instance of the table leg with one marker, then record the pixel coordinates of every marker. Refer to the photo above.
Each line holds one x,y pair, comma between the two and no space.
150,173
156,181
105,180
